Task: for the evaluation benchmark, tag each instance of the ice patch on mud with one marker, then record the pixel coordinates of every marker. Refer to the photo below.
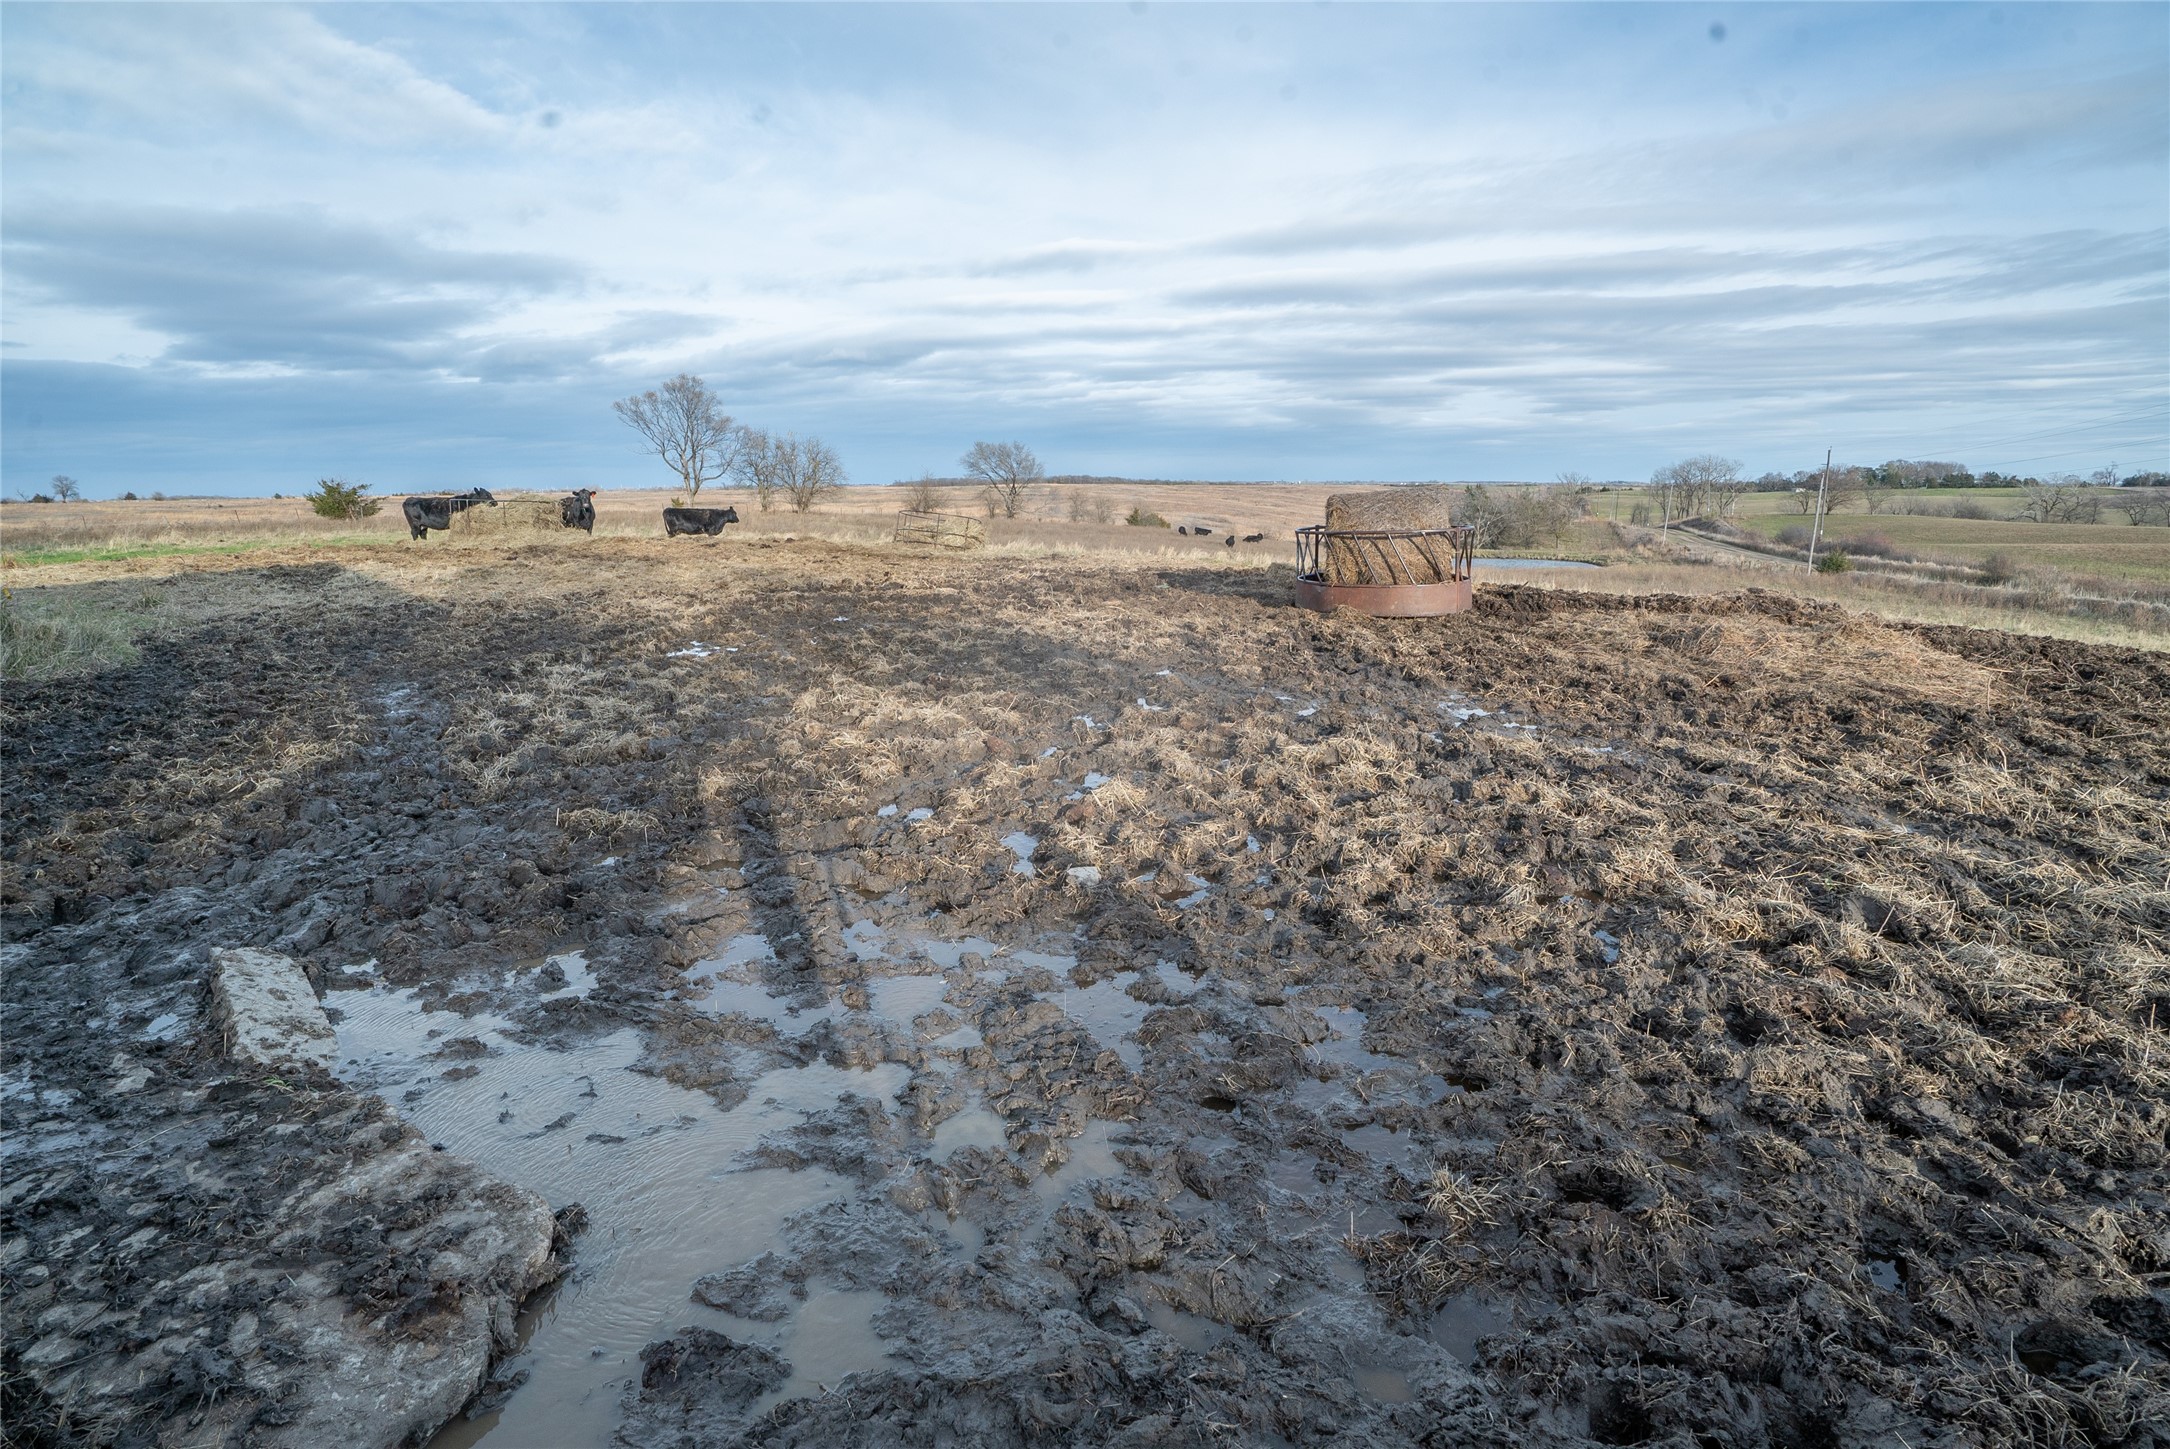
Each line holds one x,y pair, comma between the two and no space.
652,1163
1022,846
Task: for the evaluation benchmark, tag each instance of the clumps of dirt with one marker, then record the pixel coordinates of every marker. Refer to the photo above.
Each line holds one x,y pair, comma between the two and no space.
1750,1014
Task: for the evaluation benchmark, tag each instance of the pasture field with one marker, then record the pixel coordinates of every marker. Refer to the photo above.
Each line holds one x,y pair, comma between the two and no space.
2114,550
1075,997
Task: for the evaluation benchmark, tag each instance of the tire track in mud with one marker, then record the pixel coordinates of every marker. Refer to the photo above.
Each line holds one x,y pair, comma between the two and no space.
1752,1048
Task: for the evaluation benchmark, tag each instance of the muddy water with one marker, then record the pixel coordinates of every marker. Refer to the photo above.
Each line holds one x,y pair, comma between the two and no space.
655,1165
651,1162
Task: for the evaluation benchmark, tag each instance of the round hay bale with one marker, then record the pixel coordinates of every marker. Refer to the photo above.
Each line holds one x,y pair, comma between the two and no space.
517,516
1362,561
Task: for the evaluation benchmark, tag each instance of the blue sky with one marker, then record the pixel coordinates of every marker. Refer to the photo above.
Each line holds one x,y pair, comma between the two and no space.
426,246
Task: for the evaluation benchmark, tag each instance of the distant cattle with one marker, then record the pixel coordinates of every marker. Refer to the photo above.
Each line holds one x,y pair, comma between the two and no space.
1254,538
697,520
1202,532
424,514
1231,540
1179,528
578,511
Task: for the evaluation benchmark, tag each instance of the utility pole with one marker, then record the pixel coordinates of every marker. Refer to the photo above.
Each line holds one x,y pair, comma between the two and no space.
1823,487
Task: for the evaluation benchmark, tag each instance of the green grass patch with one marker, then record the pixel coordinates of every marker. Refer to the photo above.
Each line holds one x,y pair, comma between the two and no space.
46,637
30,558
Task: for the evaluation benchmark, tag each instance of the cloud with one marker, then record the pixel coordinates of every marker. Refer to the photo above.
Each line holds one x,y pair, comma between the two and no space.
287,288
190,70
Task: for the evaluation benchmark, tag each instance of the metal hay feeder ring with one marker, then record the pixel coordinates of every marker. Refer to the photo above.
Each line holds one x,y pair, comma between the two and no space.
1391,573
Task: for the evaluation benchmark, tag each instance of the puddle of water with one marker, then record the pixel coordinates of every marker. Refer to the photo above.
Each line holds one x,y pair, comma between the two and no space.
1110,1013
1093,780
651,1162
1092,1156
1022,846
1172,977
963,1038
1346,1046
829,1337
863,939
1884,1273
1607,943
1385,1385
1382,1145
1461,1321
695,650
1294,1175
163,1027
904,999
973,1127
922,813
949,955
886,811
579,976
1194,1332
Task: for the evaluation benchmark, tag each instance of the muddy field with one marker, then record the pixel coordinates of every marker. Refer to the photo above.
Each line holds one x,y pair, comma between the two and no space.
997,1001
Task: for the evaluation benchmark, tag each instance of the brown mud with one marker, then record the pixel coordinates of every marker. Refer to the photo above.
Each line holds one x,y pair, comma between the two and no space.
1005,1002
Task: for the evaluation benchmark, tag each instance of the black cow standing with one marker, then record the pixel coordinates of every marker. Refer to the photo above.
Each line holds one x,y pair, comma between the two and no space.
578,511
424,514
697,520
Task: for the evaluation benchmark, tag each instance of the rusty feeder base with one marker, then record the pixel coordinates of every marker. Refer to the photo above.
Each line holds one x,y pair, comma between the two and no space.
1387,601
1390,573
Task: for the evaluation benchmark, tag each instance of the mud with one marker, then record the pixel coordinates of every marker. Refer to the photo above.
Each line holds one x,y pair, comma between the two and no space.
978,1000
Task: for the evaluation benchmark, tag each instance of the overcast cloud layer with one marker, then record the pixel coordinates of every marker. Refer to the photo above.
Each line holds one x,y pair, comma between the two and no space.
246,247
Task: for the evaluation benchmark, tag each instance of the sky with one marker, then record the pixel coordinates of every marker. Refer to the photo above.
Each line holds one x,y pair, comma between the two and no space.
424,246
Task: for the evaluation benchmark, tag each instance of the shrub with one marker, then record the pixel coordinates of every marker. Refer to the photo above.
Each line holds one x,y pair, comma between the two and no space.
1872,545
1834,562
1999,568
337,498
1139,518
129,497
1972,508
1793,536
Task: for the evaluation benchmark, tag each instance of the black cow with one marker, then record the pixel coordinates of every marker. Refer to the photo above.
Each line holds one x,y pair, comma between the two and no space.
1231,540
1202,532
578,511
424,514
697,520
1254,538
1179,528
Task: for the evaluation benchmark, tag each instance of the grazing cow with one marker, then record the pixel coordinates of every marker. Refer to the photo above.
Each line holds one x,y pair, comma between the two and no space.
424,514
1231,540
578,511
1179,528
697,520
1202,532
1254,538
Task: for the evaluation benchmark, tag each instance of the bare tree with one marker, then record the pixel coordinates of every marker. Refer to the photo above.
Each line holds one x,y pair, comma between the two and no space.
684,424
926,495
1572,480
756,467
806,471
1705,483
1005,471
66,489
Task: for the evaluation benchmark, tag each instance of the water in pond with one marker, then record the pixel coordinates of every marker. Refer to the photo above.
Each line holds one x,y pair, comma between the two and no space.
1533,563
652,1163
